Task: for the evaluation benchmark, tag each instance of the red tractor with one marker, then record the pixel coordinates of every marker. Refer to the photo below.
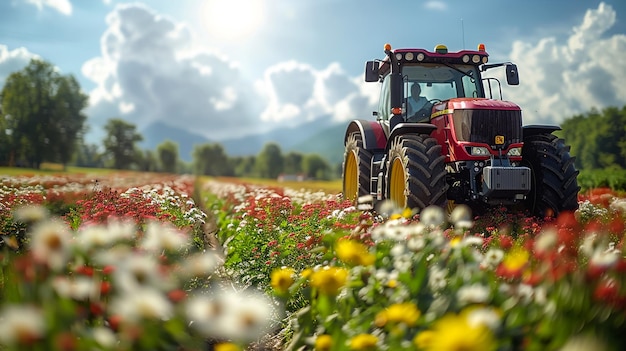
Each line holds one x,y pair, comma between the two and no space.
452,144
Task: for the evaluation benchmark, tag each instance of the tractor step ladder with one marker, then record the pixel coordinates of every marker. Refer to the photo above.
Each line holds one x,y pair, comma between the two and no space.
375,166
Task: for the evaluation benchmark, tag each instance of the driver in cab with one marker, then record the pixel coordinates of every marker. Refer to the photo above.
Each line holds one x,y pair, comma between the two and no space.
419,108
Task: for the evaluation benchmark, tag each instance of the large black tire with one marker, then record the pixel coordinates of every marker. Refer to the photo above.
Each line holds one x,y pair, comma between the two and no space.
357,166
416,175
554,187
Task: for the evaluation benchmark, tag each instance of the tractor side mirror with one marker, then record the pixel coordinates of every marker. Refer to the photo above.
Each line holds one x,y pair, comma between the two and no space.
371,71
512,76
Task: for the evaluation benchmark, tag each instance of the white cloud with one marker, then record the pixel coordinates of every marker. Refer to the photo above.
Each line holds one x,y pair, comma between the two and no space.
150,69
436,5
562,79
13,61
297,93
62,6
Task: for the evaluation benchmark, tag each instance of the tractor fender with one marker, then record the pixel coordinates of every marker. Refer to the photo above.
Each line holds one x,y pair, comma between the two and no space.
535,129
372,133
412,128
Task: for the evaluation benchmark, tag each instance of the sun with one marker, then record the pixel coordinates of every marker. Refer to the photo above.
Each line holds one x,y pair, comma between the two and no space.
233,19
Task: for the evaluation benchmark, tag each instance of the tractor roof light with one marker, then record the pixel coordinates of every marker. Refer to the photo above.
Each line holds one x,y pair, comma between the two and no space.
481,47
466,58
387,47
409,56
441,49
420,57
475,58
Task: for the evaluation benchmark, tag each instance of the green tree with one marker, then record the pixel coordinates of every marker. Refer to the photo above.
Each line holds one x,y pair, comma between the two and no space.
270,162
293,162
88,155
168,156
597,138
147,161
211,160
119,143
244,166
68,122
316,167
43,111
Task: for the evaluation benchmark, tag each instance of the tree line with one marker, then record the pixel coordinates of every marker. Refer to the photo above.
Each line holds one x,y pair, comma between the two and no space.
597,138
42,120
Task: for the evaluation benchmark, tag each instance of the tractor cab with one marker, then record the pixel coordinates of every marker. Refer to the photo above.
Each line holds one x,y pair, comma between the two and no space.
440,75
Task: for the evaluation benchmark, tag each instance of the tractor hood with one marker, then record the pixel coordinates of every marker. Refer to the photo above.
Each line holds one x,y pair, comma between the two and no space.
474,104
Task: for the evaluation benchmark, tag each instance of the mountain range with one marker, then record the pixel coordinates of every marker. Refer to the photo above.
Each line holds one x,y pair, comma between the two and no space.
322,138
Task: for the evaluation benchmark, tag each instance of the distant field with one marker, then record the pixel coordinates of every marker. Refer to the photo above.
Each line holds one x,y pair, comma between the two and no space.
331,186
53,168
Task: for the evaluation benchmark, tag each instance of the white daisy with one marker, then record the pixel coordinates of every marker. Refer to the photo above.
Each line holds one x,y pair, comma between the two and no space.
142,303
432,216
164,236
31,213
21,323
50,243
472,294
485,316
201,264
238,316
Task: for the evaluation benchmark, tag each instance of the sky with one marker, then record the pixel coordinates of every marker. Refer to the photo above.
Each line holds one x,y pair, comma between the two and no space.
228,68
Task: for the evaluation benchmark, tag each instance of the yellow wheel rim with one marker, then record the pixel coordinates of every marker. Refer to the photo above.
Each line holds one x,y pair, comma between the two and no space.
450,207
397,184
351,178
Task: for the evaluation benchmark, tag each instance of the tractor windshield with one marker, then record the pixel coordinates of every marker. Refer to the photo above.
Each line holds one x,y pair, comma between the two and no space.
442,82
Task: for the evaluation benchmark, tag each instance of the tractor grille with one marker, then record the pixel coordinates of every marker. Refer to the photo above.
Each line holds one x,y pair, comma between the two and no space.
482,126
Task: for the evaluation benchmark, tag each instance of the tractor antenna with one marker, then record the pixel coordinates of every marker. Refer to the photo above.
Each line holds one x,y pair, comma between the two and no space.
463,33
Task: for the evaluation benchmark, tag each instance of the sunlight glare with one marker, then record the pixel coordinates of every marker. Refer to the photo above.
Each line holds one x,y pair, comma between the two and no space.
233,19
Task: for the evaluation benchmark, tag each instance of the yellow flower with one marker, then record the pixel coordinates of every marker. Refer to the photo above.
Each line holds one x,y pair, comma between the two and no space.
363,342
227,346
282,279
323,342
455,332
454,242
329,280
406,313
354,253
306,273
516,259
423,339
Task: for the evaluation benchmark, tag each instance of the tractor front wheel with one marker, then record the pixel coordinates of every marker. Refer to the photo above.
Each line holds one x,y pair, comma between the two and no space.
356,168
416,175
554,187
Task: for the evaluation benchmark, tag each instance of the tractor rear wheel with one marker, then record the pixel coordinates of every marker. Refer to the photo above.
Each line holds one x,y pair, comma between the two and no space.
357,165
416,175
554,187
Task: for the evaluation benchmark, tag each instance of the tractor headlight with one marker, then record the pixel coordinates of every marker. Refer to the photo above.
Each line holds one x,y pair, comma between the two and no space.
515,151
479,151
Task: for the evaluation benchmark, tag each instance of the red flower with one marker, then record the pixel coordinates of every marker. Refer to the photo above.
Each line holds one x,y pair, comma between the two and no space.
506,242
85,270
177,295
105,288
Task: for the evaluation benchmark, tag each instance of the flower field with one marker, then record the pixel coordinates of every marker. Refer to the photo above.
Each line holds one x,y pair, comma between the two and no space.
156,262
